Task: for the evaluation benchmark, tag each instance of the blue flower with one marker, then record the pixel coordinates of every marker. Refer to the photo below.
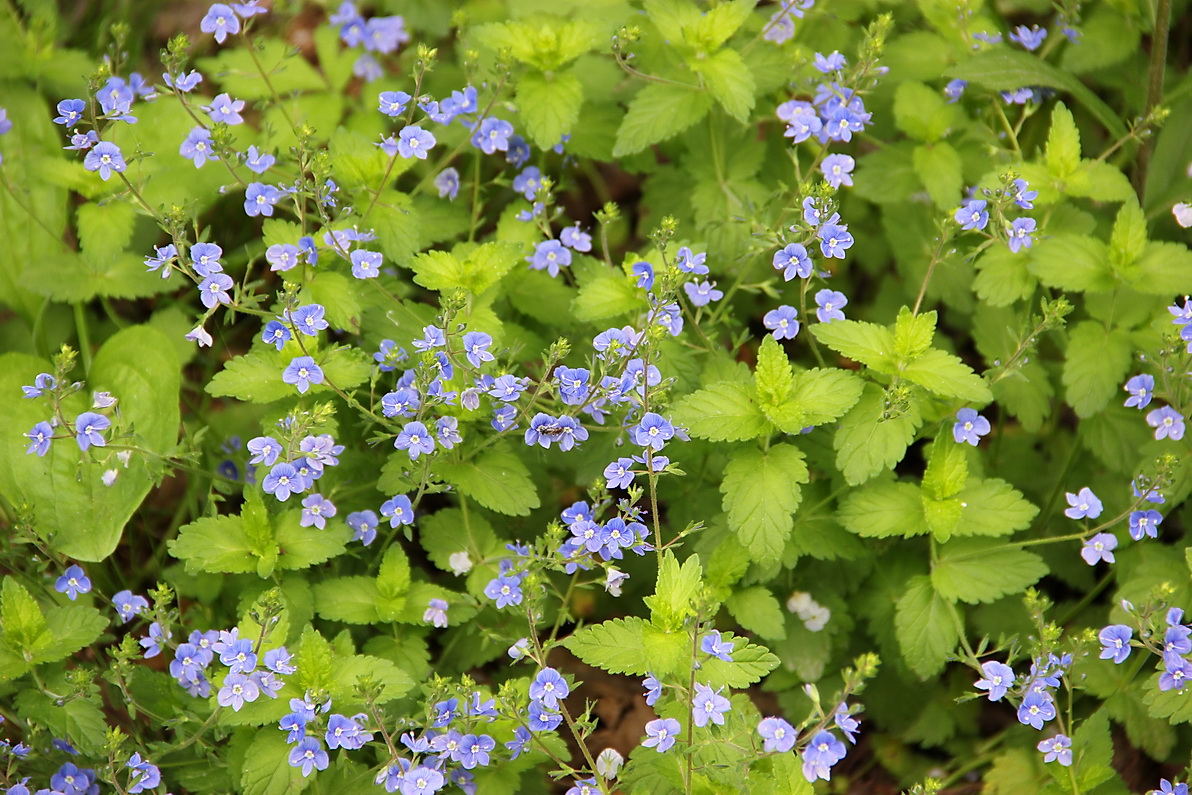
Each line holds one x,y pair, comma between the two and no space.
366,264
40,436
415,439
838,169
309,755
144,775
476,345
713,645
474,750
264,449
802,121
282,257
1167,422
1099,548
702,293
259,199
1145,523
116,98
1056,749
280,661
225,110
1166,788
447,183
70,111
1083,504
398,510
282,481
392,103
1176,674
492,135
436,613
528,182
197,147
183,83
829,63
315,510
309,319
779,736
1115,642
88,426
661,734
998,679
1020,234
258,162
214,290
505,590
549,255
105,158
972,215
420,780
347,733
205,258
413,141
73,583
302,372
575,238
619,473
955,89
238,690
220,20
654,431
1140,389
643,275
708,706
364,526
1030,38
969,427
153,643
821,754
793,261
835,239
1036,709
163,257
128,604
238,655
548,687
42,383
782,322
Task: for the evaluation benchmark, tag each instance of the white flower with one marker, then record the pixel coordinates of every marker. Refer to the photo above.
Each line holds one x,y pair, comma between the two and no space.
608,764
460,563
1183,214
109,476
614,580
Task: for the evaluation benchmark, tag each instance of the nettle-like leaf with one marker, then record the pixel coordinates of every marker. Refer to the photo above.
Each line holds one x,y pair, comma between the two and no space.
925,627
725,412
977,570
761,494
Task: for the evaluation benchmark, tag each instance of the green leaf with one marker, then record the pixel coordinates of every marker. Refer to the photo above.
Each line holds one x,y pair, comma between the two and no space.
24,627
750,663
313,660
720,23
1072,262
1063,143
675,595
939,168
979,570
497,479
218,545
239,75
868,343
1096,362
267,769
774,376
942,516
301,547
255,377
393,578
659,111
352,600
947,469
1128,240
1164,269
922,113
350,671
883,510
729,80
545,42
338,294
761,493
725,412
73,628
549,104
913,333
1003,69
993,507
818,396
757,610
947,376
1003,276
609,294
1099,181
139,367
616,646
79,721
866,443
924,628
1092,751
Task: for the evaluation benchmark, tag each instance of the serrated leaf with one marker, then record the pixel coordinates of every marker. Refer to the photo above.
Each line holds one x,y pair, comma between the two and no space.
921,112
721,22
1095,365
978,570
913,333
1003,277
761,493
750,663
1063,143
21,620
659,112
616,646
1100,181
774,376
549,104
868,343
993,507
301,547
883,510
217,545
940,169
725,412
1128,239
1164,269
267,769
313,660
393,577
72,628
819,396
1092,751
947,469
866,443
610,294
1072,262
729,79
676,591
352,600
924,628
350,671
757,610
947,376
256,377
497,479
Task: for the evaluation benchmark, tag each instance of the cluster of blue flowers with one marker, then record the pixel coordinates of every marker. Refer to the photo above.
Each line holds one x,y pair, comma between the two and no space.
87,428
1117,642
973,215
302,731
383,35
70,779
1035,693
294,469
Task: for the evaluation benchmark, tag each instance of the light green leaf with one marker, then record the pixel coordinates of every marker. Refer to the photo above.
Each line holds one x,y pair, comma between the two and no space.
609,294
729,80
675,595
301,547
313,660
73,628
868,343
947,469
267,769
924,628
979,570
658,112
721,22
940,169
750,663
922,113
218,545
239,75
757,610
1096,363
725,412
1072,262
866,443
497,479
1164,269
913,333
945,375
21,620
1099,181
1003,276
352,600
349,671
884,509
1128,240
1092,751
774,376
761,493
393,578
616,646
1063,143
818,396
993,507
338,294
549,104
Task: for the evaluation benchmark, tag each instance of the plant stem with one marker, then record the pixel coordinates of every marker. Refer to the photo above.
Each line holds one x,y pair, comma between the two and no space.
1154,88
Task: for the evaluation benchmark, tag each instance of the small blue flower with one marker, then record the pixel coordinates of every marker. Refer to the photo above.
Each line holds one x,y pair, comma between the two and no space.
392,103
282,257
713,645
1020,234
40,436
702,293
302,372
1099,548
220,21
690,262
838,169
550,255
197,147
1057,749
1030,38
70,111
226,110
575,238
1167,422
793,261
821,754
654,431
214,290
1115,643
413,141
128,604
398,510
415,439
183,83
1083,504
309,319
778,735
955,89
998,679
156,638
309,755
835,239
259,199
661,734
105,157
783,322
548,687
969,427
643,275
505,590
1036,709
1140,388
1023,195
447,183
708,706
73,583
315,511
972,215
258,162
829,64
492,135
366,264
88,426
653,690
364,526
476,345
